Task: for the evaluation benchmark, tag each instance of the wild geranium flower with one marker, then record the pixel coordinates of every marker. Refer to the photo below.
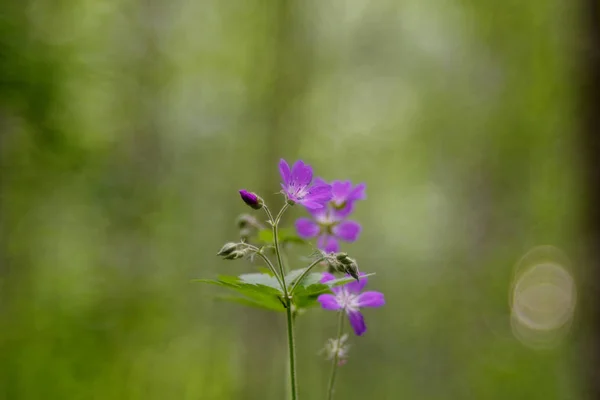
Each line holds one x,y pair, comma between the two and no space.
329,228
344,195
349,298
297,186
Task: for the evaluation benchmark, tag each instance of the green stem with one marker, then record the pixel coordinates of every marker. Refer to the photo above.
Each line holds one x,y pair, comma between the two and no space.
288,302
336,358
292,350
306,271
276,242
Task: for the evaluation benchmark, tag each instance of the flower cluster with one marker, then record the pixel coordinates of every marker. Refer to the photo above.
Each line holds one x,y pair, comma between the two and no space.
330,205
280,288
330,224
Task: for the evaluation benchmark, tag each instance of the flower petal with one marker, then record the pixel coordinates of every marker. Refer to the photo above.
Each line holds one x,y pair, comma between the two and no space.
328,244
301,173
329,302
347,230
317,194
307,228
320,214
327,277
371,299
357,287
358,322
319,181
341,190
358,193
341,213
284,170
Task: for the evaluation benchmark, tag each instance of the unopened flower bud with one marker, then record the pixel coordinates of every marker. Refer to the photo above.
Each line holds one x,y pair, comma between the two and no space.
347,265
352,269
227,249
341,256
234,255
252,199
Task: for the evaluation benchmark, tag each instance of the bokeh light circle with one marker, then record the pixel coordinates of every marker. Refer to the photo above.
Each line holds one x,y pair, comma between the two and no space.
542,297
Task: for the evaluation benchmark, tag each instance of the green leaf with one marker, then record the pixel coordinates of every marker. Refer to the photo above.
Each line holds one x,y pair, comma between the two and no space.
261,279
215,282
293,275
265,305
255,288
312,278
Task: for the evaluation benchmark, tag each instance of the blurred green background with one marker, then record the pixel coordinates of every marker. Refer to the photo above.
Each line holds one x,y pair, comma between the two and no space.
127,127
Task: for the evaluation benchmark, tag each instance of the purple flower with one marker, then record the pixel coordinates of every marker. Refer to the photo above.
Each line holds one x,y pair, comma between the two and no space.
252,199
329,227
344,195
297,185
349,299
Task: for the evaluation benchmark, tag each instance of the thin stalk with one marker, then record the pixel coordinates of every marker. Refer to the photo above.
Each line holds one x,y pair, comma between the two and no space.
288,302
336,358
259,253
306,271
276,242
292,351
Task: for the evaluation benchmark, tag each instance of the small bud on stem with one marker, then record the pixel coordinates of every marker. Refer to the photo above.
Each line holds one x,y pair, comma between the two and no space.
227,249
233,251
340,262
252,199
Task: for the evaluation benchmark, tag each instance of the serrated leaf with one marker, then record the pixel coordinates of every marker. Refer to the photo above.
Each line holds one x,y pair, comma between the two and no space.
293,275
215,282
306,302
265,305
312,278
261,279
258,294
234,280
304,298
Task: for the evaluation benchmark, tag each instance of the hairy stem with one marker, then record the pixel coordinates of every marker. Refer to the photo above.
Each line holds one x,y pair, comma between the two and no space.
336,358
276,242
288,303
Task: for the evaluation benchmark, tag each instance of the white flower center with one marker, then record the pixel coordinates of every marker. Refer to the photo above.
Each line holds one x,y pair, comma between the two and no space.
348,300
298,191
